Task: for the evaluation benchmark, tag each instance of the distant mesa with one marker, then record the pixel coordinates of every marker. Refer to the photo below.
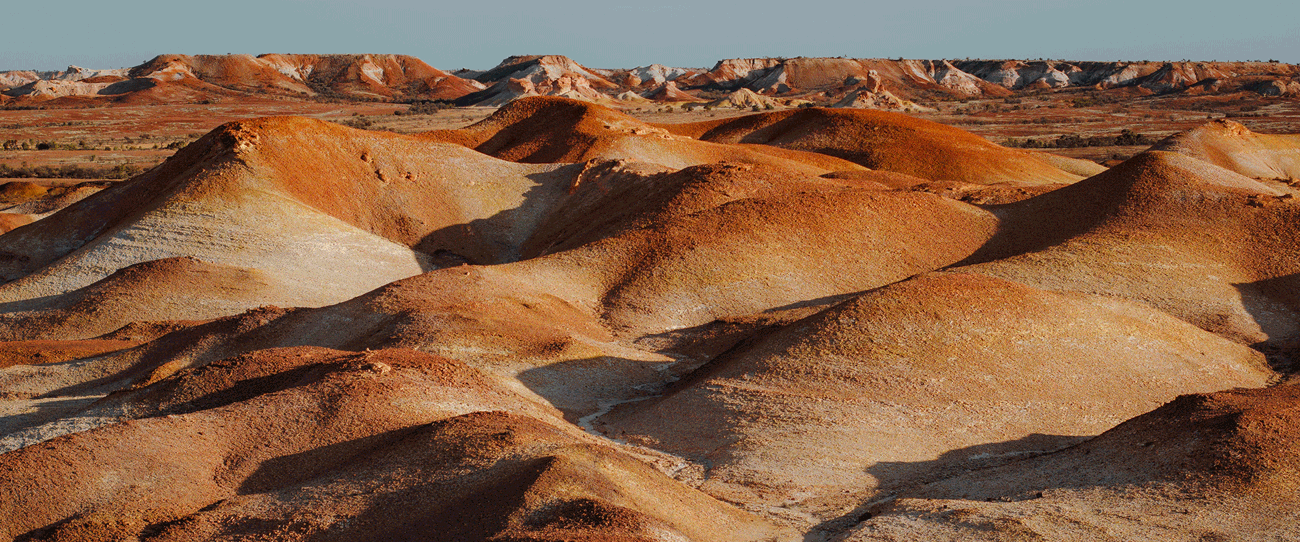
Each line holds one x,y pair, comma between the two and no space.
169,78
1203,463
890,84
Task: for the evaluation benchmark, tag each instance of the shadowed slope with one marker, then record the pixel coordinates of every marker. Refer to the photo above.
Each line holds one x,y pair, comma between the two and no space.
349,437
1213,466
864,396
489,476
617,196
181,288
1193,239
1230,145
326,212
1238,441
52,199
40,352
566,319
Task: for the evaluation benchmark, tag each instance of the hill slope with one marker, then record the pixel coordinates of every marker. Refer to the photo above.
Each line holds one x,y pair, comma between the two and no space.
323,211
886,141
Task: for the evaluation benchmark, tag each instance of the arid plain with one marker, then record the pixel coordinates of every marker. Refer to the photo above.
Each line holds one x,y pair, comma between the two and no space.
357,297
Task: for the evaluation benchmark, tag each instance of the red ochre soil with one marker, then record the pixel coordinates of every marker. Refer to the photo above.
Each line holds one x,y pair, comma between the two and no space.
562,323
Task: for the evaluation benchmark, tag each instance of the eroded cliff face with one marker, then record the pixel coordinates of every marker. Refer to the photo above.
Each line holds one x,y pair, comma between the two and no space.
1158,77
989,77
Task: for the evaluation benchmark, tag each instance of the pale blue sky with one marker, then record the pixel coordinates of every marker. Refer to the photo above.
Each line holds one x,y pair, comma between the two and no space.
625,34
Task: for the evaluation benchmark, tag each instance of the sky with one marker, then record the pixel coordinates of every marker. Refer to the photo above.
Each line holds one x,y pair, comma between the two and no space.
625,34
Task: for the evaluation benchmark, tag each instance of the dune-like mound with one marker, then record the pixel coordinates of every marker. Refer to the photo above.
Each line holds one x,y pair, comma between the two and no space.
566,324
1219,465
509,90
355,433
9,221
631,97
883,99
884,140
617,196
1235,441
1230,145
736,259
1080,167
179,288
528,482
499,94
36,202
22,202
1201,242
887,179
324,211
16,192
549,130
874,392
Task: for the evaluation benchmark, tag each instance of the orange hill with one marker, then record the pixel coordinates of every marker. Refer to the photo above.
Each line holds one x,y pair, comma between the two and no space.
1193,239
551,130
1207,465
853,402
886,141
562,323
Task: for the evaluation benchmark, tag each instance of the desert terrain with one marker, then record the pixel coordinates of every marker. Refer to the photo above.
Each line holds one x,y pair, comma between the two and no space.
357,297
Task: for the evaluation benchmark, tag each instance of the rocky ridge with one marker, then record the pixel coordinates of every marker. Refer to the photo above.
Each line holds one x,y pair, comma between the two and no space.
891,84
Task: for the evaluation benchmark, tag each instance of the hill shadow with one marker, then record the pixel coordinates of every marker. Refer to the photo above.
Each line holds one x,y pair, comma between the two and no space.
1268,302
585,389
1046,220
293,469
438,507
501,237
900,479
